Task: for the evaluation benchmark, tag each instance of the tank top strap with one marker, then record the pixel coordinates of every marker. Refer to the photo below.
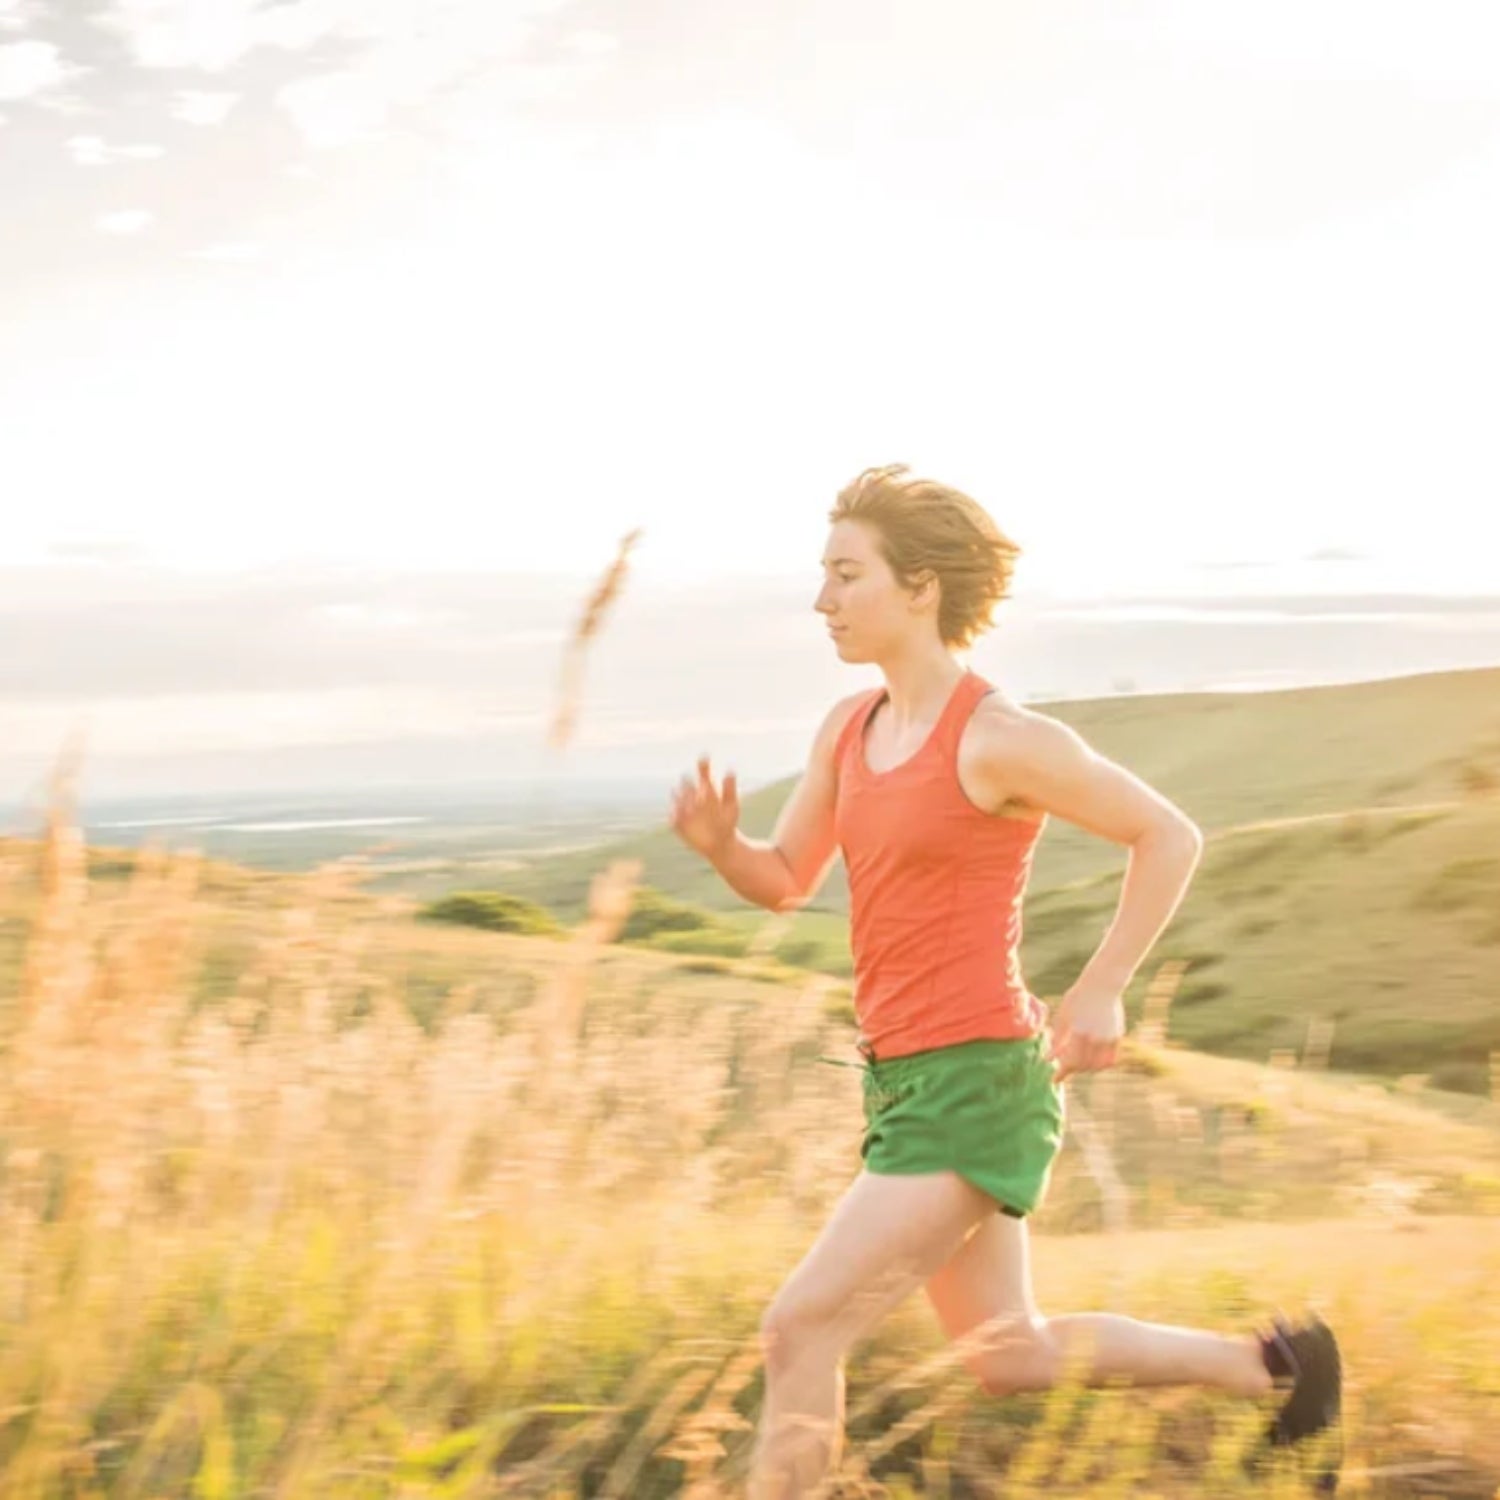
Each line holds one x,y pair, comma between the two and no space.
854,726
950,730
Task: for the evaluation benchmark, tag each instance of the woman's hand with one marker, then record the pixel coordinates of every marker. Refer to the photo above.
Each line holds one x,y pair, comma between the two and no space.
1086,1034
702,817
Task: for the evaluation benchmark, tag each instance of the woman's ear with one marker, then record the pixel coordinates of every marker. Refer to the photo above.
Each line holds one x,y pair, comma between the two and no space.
924,588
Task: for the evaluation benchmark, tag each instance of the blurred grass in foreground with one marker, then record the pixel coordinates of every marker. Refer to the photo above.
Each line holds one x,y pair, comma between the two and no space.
295,1241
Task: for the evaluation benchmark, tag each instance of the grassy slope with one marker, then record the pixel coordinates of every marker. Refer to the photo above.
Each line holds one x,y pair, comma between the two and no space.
1385,921
1442,1139
1246,1187
1226,758
1386,925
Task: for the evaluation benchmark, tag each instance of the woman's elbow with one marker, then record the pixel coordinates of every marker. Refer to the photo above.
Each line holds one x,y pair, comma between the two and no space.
791,900
1175,830
1192,836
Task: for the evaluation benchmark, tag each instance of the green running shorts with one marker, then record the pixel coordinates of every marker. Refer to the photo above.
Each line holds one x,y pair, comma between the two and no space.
989,1110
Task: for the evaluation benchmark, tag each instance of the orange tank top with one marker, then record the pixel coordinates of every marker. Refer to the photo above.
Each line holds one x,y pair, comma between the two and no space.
935,891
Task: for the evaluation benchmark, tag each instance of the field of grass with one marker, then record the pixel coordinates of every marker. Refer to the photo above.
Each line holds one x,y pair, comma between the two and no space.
303,1197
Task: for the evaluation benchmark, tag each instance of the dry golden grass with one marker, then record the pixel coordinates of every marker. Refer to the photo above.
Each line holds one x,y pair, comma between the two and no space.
590,623
296,1243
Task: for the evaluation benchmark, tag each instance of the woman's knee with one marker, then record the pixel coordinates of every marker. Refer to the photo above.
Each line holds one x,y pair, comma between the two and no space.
1023,1354
790,1332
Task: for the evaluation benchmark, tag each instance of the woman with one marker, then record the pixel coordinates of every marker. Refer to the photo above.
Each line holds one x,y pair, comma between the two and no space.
935,788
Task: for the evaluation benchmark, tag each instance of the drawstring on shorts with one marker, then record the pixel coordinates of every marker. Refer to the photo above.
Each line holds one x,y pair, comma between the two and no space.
861,1046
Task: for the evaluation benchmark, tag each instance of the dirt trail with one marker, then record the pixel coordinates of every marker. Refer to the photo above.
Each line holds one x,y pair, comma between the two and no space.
1383,811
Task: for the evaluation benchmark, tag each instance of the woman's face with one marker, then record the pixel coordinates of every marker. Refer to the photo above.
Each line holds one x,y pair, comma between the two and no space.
866,610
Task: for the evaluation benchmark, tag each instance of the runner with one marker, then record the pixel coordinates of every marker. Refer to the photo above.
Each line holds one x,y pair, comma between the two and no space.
935,788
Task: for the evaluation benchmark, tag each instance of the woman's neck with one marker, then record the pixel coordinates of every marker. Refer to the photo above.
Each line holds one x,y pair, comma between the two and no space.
919,687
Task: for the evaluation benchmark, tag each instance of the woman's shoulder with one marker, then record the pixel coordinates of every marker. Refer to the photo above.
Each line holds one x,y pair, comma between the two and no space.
1001,731
847,706
839,721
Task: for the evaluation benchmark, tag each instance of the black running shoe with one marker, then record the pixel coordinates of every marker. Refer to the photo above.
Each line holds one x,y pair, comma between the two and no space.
1306,1359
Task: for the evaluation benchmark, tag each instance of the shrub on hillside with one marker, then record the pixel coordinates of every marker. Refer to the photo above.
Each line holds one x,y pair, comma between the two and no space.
800,953
1354,830
725,942
494,911
1478,779
1200,992
652,914
1461,883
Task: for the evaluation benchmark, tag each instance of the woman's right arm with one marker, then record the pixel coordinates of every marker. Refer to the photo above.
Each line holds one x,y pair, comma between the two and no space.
783,872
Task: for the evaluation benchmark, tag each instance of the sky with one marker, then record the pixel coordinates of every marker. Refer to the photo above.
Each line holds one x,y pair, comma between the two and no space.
313,305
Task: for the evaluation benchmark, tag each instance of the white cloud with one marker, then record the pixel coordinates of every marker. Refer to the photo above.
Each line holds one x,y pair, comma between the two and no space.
207,34
1453,48
95,151
591,43
231,252
335,109
214,34
415,51
15,15
405,50
195,107
29,68
88,150
125,222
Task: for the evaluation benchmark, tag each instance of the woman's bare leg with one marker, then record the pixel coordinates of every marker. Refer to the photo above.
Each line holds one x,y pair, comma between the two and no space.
983,1295
886,1237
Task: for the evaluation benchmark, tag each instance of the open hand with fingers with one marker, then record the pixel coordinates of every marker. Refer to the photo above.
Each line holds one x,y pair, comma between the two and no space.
1087,1031
703,816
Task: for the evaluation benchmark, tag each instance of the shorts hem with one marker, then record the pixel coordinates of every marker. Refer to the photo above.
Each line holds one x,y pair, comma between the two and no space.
1003,1203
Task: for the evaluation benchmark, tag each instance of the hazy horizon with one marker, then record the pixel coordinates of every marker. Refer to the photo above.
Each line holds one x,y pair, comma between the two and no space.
346,679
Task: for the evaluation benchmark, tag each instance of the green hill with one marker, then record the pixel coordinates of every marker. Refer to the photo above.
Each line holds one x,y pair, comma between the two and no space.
1387,926
1351,874
1226,758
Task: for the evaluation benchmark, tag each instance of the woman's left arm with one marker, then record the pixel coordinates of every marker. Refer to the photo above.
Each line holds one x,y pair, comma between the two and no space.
1048,765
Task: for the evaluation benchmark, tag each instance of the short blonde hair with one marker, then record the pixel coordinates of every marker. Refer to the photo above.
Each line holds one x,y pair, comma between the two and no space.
922,526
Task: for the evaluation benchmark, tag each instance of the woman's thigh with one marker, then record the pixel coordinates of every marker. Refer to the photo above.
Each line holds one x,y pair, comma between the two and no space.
884,1239
983,1292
